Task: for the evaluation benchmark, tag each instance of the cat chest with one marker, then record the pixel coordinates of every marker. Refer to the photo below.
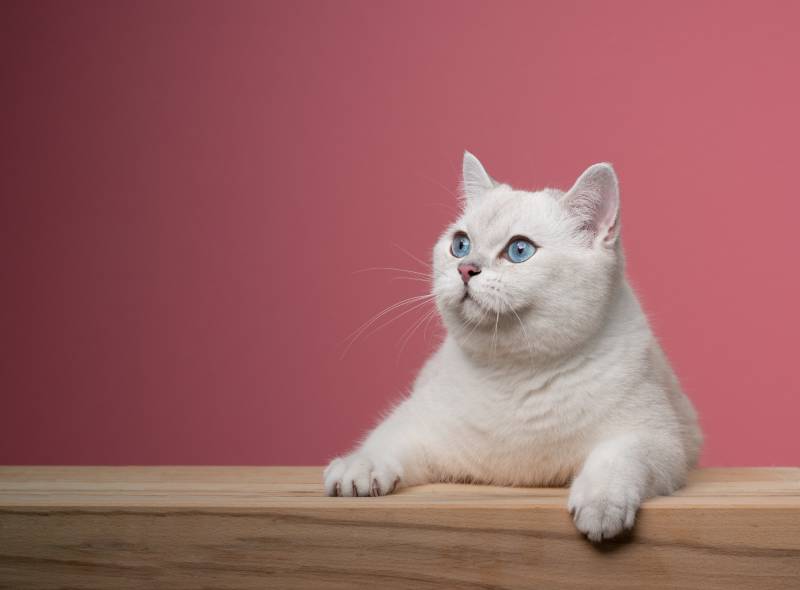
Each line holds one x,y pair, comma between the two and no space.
519,443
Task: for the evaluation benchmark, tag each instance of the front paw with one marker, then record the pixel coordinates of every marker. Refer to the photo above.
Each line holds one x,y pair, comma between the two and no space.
358,475
602,511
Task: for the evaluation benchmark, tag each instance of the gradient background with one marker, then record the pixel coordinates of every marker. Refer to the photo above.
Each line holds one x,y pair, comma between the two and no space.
188,188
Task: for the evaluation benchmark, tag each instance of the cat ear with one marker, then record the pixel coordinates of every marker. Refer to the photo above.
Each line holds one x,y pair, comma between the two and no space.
594,200
475,181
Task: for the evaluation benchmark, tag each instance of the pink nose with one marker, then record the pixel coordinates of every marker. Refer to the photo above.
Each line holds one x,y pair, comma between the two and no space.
467,271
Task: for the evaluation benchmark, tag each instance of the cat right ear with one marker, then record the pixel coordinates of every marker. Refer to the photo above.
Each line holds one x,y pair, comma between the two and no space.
594,201
475,180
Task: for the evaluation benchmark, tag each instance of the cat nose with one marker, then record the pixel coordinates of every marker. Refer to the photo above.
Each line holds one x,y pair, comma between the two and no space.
468,270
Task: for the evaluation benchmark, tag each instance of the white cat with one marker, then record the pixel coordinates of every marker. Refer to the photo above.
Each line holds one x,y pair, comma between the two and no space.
549,373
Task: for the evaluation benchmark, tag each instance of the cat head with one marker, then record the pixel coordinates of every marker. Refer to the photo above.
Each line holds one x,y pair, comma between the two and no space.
529,273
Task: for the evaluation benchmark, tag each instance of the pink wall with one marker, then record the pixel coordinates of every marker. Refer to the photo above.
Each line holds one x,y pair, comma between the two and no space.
188,188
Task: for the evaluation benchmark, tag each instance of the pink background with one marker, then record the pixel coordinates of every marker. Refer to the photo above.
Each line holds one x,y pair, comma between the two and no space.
187,190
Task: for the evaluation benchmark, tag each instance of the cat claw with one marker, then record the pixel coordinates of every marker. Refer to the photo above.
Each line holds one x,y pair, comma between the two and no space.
358,475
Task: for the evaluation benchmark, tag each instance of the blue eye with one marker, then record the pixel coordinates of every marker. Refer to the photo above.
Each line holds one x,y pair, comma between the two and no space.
520,250
460,246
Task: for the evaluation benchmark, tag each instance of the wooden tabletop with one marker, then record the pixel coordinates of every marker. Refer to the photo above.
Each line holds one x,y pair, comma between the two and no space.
264,487
272,527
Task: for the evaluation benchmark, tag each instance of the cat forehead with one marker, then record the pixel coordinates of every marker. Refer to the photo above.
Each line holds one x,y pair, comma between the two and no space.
503,211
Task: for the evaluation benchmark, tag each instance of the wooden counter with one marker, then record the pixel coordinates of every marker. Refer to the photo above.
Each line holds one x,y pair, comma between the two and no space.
271,527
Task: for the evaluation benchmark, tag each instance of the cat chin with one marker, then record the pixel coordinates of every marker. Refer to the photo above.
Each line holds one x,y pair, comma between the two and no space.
472,311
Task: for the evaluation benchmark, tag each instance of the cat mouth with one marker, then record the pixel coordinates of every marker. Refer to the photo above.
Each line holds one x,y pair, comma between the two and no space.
468,298
475,307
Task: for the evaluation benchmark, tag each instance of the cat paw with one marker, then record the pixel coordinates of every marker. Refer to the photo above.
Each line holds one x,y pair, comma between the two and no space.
602,512
358,475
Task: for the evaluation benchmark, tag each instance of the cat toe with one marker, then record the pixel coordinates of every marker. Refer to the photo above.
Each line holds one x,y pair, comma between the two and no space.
358,476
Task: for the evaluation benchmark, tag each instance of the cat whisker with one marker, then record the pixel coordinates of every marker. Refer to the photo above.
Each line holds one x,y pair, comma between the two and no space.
380,314
418,279
416,259
414,307
521,325
428,324
406,337
415,302
477,323
447,190
450,209
394,269
494,336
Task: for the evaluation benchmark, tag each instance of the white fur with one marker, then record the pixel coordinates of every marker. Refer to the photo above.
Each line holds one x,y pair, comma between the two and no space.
549,374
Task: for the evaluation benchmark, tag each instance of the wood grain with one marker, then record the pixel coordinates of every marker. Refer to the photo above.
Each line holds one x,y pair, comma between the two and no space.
245,527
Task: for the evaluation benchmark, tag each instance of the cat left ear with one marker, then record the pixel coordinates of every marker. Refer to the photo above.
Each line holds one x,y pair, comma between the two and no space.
475,180
594,200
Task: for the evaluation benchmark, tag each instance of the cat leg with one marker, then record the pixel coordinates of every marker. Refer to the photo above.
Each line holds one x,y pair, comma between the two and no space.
618,475
391,456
